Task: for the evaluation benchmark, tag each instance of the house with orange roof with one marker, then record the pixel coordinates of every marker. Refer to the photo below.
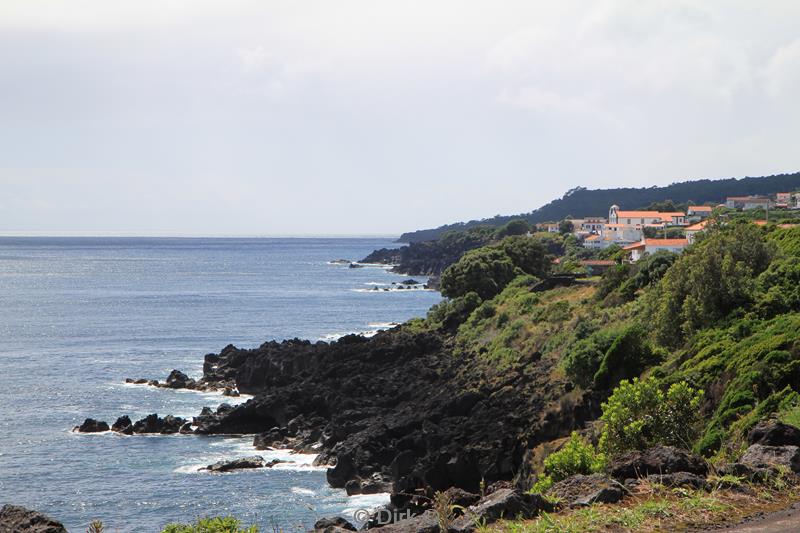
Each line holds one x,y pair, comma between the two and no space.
696,213
645,218
694,229
651,246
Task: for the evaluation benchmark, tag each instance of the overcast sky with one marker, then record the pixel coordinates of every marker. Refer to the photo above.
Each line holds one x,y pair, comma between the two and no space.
376,117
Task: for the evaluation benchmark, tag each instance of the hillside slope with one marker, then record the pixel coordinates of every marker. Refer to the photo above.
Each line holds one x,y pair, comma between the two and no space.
595,202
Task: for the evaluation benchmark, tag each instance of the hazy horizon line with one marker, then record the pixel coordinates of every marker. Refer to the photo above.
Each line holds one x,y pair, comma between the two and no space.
185,235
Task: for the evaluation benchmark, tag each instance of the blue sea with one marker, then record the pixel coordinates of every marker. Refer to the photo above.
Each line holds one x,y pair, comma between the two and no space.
79,315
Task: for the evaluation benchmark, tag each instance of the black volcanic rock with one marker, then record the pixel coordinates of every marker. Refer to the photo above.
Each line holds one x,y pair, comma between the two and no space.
396,408
179,380
155,424
774,433
656,460
123,425
90,425
17,519
242,463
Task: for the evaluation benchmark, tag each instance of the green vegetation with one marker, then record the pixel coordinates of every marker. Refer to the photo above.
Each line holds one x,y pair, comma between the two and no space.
577,456
639,414
226,524
486,271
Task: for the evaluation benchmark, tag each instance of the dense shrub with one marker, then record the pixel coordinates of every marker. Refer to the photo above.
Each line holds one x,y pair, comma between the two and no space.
787,240
518,226
627,357
639,414
582,359
609,355
484,271
707,282
528,254
577,456
779,288
451,313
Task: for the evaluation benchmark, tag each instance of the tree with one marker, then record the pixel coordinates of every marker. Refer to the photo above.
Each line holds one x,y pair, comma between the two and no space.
518,226
565,227
485,271
528,254
711,279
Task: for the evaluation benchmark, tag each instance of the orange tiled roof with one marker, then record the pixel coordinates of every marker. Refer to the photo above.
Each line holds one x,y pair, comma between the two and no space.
700,208
666,242
634,246
638,214
699,226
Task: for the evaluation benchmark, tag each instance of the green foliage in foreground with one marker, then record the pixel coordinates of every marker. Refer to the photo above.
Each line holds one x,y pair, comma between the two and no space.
226,524
640,414
577,456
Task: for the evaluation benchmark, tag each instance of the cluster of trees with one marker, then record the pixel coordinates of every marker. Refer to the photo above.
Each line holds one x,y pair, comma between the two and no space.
486,271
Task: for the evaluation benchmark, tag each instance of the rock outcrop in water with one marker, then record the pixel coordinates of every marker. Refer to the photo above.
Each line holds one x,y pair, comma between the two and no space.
17,519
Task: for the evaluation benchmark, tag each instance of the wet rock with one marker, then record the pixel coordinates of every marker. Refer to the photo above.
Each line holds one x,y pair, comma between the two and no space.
17,519
333,525
229,391
186,429
355,265
155,424
656,460
90,425
242,463
123,425
179,380
774,433
761,456
581,490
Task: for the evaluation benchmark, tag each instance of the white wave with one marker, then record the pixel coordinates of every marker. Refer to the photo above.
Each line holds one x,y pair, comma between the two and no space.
369,502
384,325
377,283
305,492
395,288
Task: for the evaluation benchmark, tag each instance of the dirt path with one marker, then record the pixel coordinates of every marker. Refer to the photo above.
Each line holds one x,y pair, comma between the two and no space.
784,521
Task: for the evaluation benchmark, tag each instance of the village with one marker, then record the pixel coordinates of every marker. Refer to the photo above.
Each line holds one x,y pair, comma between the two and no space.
640,233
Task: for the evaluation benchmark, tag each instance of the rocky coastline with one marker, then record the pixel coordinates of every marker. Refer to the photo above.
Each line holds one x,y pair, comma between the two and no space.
395,413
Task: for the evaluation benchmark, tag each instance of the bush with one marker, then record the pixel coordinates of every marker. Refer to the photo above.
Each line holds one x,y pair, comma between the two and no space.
627,357
226,524
528,254
485,271
639,414
518,226
450,313
607,356
577,456
582,359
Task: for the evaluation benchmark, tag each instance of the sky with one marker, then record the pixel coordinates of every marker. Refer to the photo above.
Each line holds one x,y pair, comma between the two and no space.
366,117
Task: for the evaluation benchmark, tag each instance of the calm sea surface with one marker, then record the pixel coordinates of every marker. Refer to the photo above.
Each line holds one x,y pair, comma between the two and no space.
79,315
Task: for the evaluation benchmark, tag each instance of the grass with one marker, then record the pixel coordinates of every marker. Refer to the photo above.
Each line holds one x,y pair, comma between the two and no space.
654,507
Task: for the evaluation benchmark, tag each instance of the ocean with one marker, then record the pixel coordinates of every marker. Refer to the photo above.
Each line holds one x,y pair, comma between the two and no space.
79,315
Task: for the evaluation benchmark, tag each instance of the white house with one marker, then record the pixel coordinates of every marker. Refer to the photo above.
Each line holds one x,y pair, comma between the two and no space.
645,218
651,246
748,202
696,213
